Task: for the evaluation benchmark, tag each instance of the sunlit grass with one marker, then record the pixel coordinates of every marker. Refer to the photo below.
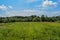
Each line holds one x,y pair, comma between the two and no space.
30,31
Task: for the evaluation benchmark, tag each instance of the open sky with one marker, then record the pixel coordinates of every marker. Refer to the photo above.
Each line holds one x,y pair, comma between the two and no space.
29,7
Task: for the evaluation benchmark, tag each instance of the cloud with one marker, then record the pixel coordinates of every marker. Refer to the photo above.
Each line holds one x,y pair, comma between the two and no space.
47,3
25,12
3,7
29,12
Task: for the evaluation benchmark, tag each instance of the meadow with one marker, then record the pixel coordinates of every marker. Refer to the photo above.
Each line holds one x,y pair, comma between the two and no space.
30,31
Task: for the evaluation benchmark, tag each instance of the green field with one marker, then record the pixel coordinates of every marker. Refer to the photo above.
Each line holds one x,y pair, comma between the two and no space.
30,31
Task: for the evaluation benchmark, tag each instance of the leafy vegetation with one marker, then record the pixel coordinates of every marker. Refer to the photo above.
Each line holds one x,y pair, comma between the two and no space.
32,18
30,31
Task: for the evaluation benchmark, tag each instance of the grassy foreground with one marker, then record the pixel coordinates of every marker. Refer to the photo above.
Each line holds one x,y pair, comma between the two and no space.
30,31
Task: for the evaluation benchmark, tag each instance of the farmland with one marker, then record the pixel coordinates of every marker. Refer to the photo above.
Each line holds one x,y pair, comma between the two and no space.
30,31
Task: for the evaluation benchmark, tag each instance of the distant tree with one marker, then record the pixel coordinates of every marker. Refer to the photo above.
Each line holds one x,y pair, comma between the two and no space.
0,19
42,18
58,18
36,19
32,18
46,19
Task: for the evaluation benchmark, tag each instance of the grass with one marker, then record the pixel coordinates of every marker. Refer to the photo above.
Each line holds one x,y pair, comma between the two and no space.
30,31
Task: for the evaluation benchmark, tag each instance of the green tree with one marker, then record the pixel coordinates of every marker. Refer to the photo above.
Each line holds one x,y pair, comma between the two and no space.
42,18
36,19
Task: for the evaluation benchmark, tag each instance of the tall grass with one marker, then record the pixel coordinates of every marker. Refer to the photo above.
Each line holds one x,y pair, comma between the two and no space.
30,31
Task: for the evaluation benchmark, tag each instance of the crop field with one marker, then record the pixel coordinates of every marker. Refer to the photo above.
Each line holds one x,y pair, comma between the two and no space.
30,31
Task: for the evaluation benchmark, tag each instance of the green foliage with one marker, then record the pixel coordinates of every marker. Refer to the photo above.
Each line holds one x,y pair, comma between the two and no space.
32,18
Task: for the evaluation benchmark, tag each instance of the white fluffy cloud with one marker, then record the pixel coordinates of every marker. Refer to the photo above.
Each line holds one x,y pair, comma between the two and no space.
47,3
25,12
3,7
28,12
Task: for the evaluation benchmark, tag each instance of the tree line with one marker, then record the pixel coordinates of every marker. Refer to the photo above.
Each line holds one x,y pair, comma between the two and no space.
32,18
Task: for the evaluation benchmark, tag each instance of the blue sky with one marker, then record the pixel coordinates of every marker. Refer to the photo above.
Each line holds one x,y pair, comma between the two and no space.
29,7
